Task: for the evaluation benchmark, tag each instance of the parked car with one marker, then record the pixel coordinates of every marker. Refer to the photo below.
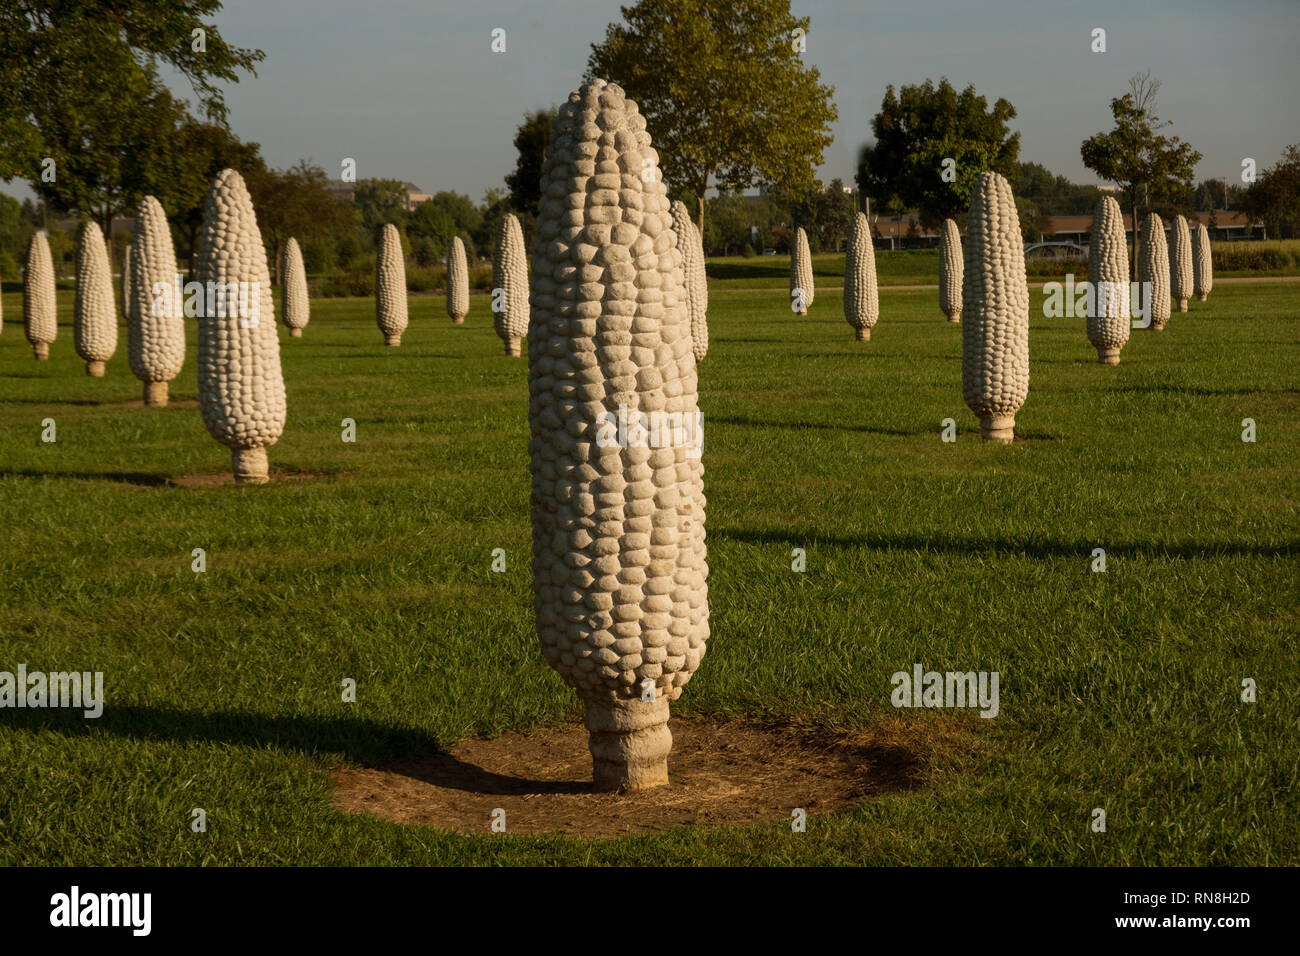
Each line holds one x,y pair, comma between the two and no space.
769,251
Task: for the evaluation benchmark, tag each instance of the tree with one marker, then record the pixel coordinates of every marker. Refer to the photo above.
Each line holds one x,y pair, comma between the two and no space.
531,140
1146,165
379,201
295,202
826,214
1274,197
724,91
82,89
931,144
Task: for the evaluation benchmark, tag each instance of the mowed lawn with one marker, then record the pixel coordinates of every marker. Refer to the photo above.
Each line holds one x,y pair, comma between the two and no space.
1118,690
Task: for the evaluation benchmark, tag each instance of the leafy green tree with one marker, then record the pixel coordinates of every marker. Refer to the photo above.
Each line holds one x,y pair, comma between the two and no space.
81,88
931,144
378,201
1274,197
1147,166
295,202
724,90
531,140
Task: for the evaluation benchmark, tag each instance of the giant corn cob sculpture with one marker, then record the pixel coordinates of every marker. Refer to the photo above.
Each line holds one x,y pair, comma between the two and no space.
294,302
241,392
1203,267
510,284
861,298
618,526
801,274
697,283
40,304
1108,319
1180,263
995,335
1153,269
155,325
390,286
457,281
126,283
94,311
950,271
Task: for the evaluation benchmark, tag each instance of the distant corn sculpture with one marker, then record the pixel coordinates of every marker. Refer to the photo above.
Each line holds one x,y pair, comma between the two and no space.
861,297
457,281
510,285
295,305
241,390
40,303
94,311
155,325
1203,266
126,282
697,283
1180,263
618,515
1109,318
995,333
950,271
801,273
390,286
1153,269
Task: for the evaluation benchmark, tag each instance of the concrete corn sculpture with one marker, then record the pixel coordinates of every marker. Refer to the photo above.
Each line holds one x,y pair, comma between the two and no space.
390,286
995,335
294,302
510,284
801,274
457,281
1203,266
40,304
1153,269
94,311
618,520
861,297
697,282
950,271
155,326
1180,263
1108,319
126,283
241,391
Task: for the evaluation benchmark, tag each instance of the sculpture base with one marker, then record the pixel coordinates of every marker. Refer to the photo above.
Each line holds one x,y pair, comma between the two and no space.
41,350
249,465
998,428
629,744
95,369
155,393
1157,326
1182,305
295,333
863,335
392,340
458,320
513,348
955,317
1108,356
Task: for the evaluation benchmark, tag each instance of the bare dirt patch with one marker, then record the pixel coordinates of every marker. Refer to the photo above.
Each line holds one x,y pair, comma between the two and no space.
718,773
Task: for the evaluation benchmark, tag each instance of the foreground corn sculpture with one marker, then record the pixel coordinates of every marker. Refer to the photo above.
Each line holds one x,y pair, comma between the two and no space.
697,282
510,284
950,271
861,297
390,286
995,333
1153,269
241,391
1202,264
155,324
618,525
1180,263
1109,316
295,305
40,303
457,281
94,311
801,274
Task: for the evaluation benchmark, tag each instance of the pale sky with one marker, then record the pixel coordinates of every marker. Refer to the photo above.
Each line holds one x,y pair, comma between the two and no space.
412,91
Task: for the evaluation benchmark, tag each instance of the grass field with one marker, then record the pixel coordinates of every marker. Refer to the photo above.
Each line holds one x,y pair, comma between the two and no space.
1118,690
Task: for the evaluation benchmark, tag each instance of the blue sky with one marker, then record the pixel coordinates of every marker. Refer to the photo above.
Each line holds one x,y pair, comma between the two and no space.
411,90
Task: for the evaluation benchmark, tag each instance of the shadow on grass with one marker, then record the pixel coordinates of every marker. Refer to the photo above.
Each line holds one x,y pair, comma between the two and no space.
1034,548
817,426
121,477
1161,388
53,401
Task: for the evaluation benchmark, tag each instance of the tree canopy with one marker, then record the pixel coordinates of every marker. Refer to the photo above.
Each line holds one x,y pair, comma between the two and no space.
1274,197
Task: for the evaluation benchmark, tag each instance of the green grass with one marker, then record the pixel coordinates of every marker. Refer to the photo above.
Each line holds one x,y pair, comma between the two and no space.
1118,690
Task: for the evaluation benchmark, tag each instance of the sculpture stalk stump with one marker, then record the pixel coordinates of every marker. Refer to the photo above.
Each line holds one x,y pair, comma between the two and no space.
618,514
